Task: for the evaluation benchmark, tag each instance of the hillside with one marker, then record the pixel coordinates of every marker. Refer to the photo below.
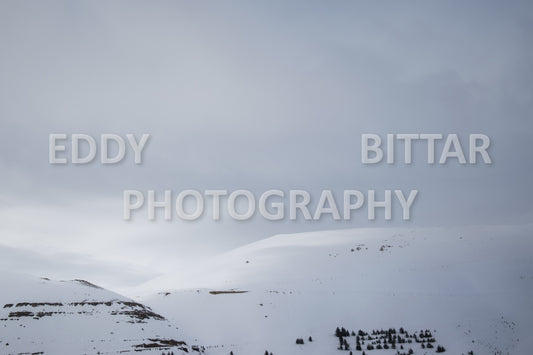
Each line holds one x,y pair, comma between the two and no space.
41,316
472,288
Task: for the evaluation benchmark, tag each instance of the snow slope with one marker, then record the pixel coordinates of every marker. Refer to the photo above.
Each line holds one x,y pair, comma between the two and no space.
41,316
472,287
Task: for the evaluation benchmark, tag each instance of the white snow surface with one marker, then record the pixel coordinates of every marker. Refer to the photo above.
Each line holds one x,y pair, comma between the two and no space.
471,286
41,316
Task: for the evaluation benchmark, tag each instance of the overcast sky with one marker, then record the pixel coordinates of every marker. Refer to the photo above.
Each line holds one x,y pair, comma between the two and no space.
271,95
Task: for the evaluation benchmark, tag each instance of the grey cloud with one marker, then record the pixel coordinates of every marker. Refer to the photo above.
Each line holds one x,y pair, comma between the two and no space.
259,96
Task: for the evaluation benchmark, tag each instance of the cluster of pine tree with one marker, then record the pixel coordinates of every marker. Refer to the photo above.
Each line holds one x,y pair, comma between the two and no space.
384,339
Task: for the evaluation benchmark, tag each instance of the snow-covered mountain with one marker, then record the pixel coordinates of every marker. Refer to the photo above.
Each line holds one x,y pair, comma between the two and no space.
466,289
41,316
472,288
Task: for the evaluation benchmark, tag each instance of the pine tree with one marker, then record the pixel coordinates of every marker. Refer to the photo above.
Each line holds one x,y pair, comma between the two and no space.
346,345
